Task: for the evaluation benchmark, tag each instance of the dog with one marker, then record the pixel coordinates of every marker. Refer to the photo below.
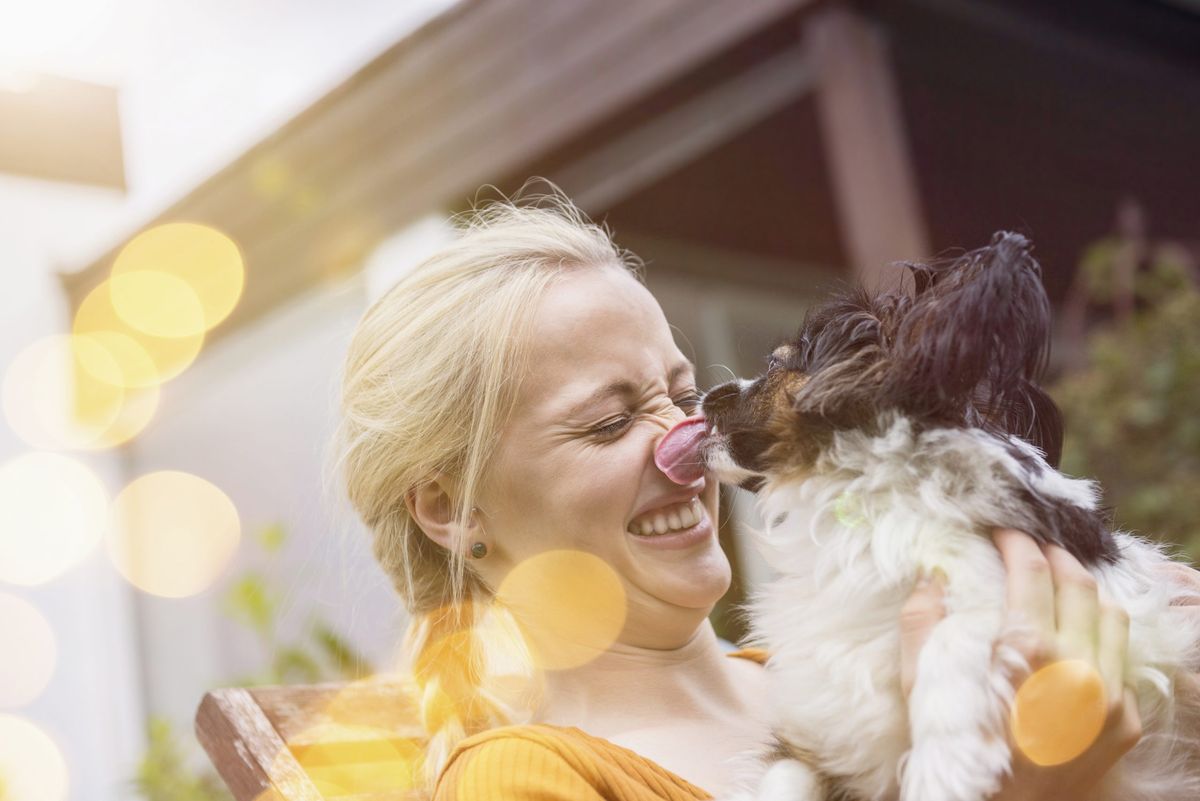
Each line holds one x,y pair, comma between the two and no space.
886,439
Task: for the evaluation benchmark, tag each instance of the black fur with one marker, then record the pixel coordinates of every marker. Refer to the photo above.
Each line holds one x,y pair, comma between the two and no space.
962,348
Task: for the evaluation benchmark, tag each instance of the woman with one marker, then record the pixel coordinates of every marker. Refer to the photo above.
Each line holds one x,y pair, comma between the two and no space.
503,402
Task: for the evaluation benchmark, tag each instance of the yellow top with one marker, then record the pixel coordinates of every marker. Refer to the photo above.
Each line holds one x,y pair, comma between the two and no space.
539,762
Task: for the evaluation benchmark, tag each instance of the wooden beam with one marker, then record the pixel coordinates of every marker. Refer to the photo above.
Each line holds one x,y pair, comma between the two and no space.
637,159
874,187
248,752
43,130
475,95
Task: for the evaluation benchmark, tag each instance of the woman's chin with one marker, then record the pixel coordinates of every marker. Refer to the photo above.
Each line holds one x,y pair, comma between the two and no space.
694,583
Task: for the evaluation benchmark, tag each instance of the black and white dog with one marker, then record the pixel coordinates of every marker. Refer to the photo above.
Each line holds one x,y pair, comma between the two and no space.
887,439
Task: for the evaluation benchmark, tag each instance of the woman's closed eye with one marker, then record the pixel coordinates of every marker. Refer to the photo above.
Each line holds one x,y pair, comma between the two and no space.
688,402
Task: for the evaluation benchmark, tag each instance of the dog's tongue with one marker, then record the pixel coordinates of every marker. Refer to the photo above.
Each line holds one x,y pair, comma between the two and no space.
678,454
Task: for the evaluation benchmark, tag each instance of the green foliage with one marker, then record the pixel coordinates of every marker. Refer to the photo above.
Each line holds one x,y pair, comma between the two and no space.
252,601
1132,410
163,774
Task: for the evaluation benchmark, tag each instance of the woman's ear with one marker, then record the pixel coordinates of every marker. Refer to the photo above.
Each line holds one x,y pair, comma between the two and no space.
432,506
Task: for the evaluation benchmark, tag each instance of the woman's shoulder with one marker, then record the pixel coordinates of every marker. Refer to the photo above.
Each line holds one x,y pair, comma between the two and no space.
515,763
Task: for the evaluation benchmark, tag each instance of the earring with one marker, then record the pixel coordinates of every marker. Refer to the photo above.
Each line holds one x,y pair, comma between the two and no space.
478,550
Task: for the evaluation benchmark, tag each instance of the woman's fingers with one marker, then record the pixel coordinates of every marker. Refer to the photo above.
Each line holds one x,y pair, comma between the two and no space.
1078,606
1030,588
1186,581
1110,653
920,613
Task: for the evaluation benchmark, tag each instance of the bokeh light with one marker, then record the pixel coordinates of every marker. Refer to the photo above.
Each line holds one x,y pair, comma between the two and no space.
158,304
168,356
1058,712
52,397
343,760
27,642
52,512
848,510
31,766
177,280
570,605
366,739
172,533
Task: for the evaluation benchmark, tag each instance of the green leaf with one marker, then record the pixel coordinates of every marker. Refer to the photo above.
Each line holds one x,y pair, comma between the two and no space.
249,602
294,664
348,663
272,538
163,775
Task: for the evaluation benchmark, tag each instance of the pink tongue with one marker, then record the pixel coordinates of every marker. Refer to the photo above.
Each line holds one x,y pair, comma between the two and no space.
678,454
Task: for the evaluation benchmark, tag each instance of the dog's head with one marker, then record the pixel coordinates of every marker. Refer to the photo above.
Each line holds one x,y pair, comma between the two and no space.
962,346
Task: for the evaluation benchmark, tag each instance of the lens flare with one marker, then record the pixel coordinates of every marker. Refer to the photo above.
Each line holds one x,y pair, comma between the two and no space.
144,360
28,644
198,257
848,510
366,739
31,766
52,510
1058,712
53,402
172,533
570,605
158,304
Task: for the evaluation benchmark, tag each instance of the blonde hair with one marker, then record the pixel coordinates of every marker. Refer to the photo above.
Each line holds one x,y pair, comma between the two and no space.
431,376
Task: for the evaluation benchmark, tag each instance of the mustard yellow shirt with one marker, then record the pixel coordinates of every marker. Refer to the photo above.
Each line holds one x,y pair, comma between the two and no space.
540,762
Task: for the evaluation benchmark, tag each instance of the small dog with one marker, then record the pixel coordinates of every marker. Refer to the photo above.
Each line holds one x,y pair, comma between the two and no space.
887,439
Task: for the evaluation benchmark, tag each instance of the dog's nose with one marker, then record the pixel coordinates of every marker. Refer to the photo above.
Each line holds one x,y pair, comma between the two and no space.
721,397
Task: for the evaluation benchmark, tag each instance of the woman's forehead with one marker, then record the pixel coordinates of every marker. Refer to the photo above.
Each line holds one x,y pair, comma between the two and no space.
594,330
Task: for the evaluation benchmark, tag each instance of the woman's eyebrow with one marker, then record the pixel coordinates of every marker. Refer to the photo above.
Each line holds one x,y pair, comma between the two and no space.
623,387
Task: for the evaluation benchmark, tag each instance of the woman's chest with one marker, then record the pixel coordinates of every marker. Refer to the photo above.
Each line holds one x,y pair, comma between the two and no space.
711,754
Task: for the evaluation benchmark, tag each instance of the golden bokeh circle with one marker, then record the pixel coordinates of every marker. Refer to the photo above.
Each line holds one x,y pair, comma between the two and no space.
150,360
201,257
30,651
172,533
570,604
32,767
52,513
365,739
52,398
158,304
1058,712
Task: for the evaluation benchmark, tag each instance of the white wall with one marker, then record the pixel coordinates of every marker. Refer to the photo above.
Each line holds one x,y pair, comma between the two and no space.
254,416
199,83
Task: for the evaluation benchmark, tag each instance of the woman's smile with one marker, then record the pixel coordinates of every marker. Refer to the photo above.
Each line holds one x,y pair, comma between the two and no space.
680,526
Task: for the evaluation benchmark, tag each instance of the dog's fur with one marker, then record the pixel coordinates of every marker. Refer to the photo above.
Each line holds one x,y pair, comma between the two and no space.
887,439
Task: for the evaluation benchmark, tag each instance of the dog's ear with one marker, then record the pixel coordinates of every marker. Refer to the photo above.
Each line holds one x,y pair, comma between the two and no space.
1028,413
978,327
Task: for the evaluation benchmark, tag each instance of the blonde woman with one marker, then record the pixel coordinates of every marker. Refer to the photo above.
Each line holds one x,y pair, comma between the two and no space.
503,401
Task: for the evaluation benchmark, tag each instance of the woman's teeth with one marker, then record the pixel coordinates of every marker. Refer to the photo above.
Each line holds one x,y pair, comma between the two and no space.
673,518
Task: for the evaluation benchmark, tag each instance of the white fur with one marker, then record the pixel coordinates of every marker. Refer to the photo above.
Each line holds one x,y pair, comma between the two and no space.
850,540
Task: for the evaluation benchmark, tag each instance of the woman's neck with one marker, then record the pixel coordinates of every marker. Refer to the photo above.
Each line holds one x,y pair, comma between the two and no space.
630,686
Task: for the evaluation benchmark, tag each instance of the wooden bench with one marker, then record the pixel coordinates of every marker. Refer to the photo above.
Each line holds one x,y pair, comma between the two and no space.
353,742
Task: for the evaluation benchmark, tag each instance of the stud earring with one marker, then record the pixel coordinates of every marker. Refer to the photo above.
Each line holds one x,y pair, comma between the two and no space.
478,550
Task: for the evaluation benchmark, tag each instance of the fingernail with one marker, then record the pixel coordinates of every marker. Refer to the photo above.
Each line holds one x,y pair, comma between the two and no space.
940,576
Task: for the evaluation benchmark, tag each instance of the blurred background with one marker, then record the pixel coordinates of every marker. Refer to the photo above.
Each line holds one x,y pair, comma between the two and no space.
198,200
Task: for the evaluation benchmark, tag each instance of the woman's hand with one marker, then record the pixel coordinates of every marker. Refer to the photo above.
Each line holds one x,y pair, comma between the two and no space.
1055,600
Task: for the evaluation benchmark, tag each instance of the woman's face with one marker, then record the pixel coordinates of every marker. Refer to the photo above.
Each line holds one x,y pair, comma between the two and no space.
575,464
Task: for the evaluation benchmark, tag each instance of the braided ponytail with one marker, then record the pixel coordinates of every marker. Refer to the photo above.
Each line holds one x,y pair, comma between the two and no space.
431,375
